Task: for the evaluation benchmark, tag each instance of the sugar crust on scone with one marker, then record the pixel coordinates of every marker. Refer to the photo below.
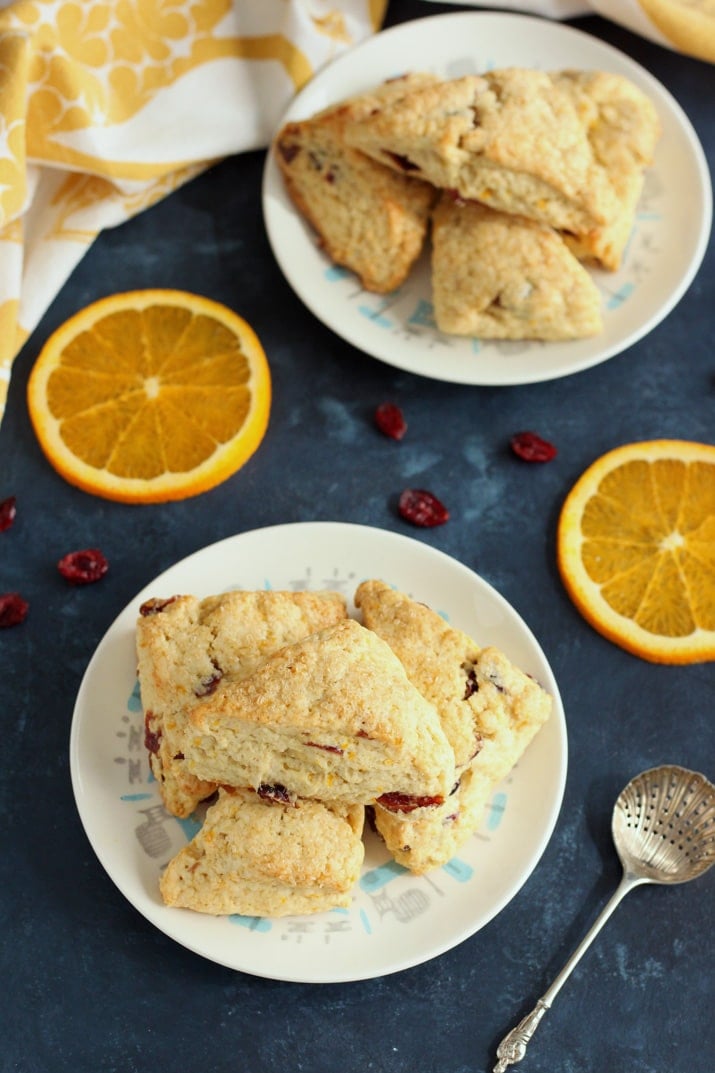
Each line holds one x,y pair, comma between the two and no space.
184,647
475,690
501,276
261,858
333,717
369,218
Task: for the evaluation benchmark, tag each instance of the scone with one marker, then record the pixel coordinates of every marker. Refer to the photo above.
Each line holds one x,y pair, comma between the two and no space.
333,717
266,859
515,139
511,709
500,276
186,645
475,691
369,219
623,130
437,658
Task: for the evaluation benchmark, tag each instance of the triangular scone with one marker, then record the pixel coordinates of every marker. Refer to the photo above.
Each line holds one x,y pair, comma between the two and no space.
437,658
478,693
499,276
333,717
514,138
266,859
511,708
369,219
623,131
186,645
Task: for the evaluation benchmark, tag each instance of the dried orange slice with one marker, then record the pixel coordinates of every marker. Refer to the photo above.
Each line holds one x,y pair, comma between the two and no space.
150,396
636,549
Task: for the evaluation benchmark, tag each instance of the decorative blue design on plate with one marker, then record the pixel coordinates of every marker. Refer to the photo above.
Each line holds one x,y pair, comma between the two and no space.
335,272
620,296
496,811
377,878
252,923
375,315
423,314
134,701
458,869
365,921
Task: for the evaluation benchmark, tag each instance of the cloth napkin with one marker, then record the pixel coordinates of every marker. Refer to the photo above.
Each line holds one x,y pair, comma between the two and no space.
107,106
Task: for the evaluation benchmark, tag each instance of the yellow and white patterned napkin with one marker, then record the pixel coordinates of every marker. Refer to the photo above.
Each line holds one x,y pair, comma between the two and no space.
106,106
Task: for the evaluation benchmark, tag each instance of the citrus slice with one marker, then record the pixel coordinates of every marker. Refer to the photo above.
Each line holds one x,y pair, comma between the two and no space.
150,396
636,549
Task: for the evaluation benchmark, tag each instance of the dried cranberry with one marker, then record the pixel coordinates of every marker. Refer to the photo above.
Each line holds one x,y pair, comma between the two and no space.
396,802
154,606
13,609
422,508
532,448
402,162
208,684
288,151
152,738
390,420
83,567
275,792
8,511
472,685
326,748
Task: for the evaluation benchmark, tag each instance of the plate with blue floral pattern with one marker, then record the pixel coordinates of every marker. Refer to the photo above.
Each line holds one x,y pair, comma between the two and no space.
396,919
664,252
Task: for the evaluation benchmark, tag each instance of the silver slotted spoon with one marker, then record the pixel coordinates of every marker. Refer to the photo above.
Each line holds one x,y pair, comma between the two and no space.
664,832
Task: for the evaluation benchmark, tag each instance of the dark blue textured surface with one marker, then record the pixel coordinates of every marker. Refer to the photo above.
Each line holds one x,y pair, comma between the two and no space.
89,985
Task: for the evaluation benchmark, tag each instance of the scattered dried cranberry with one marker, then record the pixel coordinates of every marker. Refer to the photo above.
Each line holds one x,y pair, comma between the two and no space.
83,567
396,802
422,508
390,420
8,511
13,609
532,448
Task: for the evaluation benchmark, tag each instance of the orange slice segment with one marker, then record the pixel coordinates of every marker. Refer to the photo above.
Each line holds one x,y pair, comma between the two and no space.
150,396
636,549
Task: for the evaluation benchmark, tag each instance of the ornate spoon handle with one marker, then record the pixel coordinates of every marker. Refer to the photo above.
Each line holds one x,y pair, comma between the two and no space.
513,1047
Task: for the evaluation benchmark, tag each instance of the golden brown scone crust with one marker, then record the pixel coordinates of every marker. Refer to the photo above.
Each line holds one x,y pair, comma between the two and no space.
512,138
262,858
333,717
501,276
436,657
185,645
623,129
475,691
369,218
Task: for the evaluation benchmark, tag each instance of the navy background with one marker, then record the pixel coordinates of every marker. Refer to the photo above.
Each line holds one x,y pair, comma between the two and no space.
89,985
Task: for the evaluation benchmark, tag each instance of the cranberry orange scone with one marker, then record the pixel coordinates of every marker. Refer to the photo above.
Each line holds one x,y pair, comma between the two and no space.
475,691
623,129
186,645
333,717
369,219
267,859
500,276
512,138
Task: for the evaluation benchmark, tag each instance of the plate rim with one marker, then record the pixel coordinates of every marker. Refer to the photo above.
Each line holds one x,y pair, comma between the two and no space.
270,178
339,974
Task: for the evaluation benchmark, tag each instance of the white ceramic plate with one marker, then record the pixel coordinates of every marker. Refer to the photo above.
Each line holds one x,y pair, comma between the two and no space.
664,253
397,919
